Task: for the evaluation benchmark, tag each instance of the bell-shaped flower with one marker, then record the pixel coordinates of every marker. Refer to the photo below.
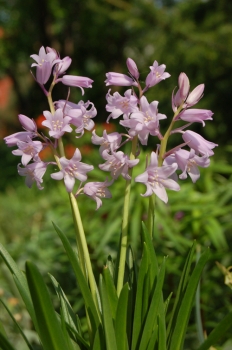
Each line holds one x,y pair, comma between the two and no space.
198,143
13,139
72,169
184,86
156,75
132,67
45,61
62,66
77,81
118,163
195,95
144,122
195,115
97,190
188,163
110,142
28,150
119,79
157,179
34,172
57,123
119,105
81,117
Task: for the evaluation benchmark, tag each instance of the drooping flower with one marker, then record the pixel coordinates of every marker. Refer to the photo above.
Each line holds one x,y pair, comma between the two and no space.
195,115
198,143
97,190
77,81
145,121
13,139
72,169
157,179
57,123
28,150
119,79
109,142
119,105
118,163
81,117
156,75
34,172
188,163
27,123
62,66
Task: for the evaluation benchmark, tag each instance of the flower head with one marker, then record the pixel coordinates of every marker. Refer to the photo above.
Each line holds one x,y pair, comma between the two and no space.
28,150
34,172
198,143
119,79
156,179
72,169
156,75
45,61
98,190
119,105
57,123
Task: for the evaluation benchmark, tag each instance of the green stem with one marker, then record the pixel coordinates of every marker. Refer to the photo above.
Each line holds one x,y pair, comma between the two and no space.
151,214
125,221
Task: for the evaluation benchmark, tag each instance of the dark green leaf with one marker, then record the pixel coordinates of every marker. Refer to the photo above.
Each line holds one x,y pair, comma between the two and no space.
111,291
5,344
50,330
121,319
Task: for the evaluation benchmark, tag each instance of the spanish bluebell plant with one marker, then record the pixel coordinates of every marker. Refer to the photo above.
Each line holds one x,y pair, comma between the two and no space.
124,312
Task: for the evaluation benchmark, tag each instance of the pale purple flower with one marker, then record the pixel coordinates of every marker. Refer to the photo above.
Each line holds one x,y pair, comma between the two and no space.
119,79
195,95
62,66
198,143
13,139
144,122
184,86
188,163
34,172
27,123
57,123
45,61
110,142
118,163
132,67
156,179
156,75
119,105
195,115
72,169
82,117
98,189
28,150
77,81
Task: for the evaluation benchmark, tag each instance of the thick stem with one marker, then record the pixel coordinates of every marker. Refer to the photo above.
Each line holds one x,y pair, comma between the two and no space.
125,221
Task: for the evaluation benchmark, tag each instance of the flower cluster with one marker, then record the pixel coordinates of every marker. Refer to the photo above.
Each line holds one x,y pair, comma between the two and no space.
140,119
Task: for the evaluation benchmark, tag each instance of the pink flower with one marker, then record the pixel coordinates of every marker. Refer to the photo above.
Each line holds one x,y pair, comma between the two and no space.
119,105
98,189
108,142
156,75
73,80
195,115
62,66
119,79
118,163
34,172
45,61
144,122
132,67
198,143
156,179
13,139
28,150
27,123
57,123
72,169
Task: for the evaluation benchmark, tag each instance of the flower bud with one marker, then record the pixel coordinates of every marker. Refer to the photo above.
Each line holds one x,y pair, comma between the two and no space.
132,67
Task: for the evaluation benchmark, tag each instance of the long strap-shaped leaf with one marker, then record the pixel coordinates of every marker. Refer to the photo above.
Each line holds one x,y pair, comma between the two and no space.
218,332
177,339
50,330
4,343
121,319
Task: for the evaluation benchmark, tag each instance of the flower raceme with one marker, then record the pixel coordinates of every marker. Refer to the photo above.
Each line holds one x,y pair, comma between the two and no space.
139,117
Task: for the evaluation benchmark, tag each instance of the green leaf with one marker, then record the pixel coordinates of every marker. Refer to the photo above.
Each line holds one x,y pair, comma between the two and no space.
111,291
177,338
180,293
162,327
70,344
121,319
153,310
153,339
20,281
107,318
89,303
4,343
99,342
137,324
17,325
68,314
218,332
50,330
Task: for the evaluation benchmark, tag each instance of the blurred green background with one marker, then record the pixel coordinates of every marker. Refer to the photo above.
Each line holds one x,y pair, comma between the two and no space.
188,36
